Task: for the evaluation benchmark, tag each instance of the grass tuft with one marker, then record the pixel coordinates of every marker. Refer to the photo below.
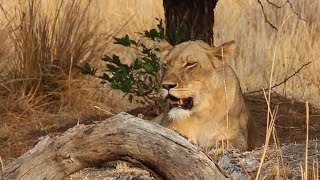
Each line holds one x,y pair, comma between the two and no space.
44,42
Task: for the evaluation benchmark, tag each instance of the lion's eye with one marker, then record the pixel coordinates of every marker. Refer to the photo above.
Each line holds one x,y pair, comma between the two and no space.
190,65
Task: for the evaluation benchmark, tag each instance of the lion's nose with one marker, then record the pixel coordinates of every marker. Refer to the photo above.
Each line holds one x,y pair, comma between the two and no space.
168,86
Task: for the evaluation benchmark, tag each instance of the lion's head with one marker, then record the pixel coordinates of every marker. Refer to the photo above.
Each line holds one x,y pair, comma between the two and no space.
190,71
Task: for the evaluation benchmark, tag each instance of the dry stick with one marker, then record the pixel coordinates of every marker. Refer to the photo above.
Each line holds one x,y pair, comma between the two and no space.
274,5
225,106
291,7
270,123
265,17
104,110
307,142
1,162
302,172
316,169
277,145
2,166
313,169
225,95
268,135
282,82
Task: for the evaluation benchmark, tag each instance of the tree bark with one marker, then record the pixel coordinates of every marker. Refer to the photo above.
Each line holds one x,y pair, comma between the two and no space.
197,17
159,149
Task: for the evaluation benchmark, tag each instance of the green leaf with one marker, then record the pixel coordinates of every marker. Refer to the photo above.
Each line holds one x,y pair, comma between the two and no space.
124,68
152,34
115,86
106,77
107,58
134,42
137,64
146,51
112,68
161,29
116,59
125,41
149,68
87,69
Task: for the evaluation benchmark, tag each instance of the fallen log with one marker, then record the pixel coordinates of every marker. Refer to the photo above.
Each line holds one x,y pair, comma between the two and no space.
163,151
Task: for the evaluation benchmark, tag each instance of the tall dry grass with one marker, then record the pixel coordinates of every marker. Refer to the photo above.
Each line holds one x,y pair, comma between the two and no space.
129,16
40,43
293,45
44,43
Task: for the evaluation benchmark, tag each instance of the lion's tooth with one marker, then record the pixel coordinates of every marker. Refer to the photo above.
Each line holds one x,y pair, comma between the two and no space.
180,101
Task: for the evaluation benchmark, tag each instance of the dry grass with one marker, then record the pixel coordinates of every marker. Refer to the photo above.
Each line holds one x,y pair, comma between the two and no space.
78,176
279,172
294,44
44,46
129,16
121,171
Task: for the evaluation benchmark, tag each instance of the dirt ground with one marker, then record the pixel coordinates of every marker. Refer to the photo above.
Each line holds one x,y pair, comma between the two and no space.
290,119
290,125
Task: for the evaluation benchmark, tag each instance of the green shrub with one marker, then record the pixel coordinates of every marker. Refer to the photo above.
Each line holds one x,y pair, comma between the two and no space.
141,77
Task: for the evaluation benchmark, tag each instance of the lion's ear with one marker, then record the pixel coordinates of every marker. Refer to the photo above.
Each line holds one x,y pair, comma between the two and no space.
165,48
224,51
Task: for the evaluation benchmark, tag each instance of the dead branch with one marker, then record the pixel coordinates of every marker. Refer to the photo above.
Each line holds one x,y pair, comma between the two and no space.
162,150
279,7
265,16
291,7
282,82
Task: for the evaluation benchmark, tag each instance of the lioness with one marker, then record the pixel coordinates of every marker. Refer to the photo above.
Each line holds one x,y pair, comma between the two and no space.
205,102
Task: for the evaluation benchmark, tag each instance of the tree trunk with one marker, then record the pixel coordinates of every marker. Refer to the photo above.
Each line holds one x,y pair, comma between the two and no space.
162,150
196,17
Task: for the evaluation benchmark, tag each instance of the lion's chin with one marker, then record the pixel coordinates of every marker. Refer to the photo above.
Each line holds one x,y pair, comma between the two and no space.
177,114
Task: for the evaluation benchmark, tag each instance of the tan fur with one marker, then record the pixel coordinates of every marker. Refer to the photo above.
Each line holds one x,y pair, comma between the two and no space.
219,116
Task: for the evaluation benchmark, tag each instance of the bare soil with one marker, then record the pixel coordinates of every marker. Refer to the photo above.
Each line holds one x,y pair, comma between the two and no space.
290,119
290,125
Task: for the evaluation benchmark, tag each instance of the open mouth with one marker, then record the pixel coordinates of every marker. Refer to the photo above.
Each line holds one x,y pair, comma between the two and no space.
185,103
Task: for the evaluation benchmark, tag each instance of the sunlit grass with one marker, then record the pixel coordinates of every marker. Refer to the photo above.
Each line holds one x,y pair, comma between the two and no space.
38,72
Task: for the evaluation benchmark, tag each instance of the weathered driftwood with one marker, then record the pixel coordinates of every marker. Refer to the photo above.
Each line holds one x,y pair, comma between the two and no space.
162,150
